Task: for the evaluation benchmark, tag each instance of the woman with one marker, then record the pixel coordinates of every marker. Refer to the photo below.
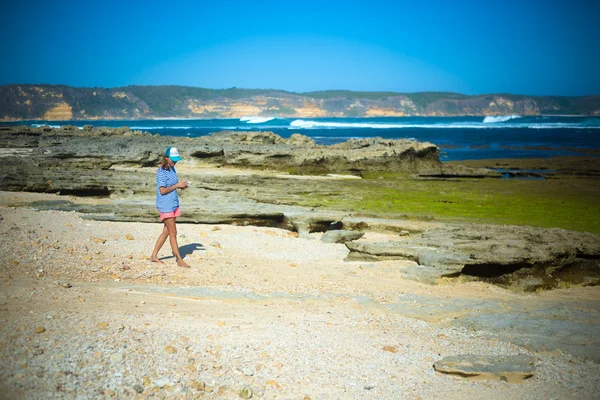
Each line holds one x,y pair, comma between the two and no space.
167,203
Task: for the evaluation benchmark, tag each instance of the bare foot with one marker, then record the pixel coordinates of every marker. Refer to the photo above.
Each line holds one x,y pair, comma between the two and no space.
156,260
182,264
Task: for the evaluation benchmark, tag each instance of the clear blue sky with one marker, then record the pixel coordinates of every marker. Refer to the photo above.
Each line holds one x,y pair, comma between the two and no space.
543,47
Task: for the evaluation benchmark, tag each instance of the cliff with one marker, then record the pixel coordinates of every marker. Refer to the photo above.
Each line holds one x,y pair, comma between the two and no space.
59,102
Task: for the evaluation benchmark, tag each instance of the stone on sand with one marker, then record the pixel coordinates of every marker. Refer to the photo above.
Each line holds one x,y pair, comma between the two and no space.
513,369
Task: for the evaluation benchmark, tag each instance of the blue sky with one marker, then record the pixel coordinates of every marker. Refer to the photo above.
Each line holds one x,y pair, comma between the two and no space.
545,47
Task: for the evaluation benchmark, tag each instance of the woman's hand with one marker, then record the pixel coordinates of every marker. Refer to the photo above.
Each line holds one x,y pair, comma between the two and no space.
182,185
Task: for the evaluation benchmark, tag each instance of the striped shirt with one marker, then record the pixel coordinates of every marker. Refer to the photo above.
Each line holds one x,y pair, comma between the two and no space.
170,201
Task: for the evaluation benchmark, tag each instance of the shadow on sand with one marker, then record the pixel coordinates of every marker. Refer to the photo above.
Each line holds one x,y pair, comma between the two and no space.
186,250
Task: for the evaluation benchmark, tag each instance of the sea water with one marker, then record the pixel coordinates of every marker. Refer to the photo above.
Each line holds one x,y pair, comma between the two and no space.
459,138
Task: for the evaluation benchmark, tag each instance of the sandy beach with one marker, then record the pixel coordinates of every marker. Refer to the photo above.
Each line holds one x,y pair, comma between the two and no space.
261,313
376,201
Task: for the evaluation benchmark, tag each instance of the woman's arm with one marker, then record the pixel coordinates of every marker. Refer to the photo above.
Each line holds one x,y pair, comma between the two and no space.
178,185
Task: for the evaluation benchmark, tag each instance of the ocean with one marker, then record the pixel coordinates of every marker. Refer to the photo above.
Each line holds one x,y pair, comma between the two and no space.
459,138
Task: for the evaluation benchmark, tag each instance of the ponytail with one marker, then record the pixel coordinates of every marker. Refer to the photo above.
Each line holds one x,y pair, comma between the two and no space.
165,163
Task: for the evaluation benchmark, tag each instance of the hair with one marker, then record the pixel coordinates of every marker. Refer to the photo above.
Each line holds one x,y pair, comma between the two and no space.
165,164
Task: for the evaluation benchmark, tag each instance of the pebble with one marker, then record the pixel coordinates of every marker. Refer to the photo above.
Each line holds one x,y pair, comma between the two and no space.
246,392
165,381
390,349
40,329
138,388
274,384
170,349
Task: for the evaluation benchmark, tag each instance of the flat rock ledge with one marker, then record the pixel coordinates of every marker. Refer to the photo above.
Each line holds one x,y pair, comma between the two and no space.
512,369
520,257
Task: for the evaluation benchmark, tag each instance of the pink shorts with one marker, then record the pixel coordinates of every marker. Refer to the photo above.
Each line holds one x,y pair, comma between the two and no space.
172,214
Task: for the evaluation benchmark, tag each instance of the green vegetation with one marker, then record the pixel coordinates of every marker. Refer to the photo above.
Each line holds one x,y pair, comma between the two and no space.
171,101
33,101
332,94
185,92
569,204
285,110
423,99
353,112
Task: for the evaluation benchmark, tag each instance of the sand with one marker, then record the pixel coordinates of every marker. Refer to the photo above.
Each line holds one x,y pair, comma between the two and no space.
85,314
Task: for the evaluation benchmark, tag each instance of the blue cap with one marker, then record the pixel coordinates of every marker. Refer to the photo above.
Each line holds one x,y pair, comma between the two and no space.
173,154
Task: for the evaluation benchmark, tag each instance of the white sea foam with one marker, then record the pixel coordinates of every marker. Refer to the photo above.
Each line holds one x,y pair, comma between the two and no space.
309,124
53,126
502,118
40,125
561,126
337,137
256,120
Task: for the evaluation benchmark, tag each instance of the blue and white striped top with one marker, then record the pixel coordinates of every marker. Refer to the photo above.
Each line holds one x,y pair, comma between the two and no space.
170,201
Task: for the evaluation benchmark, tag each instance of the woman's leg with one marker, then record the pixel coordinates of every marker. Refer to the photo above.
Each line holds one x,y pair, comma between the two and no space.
159,244
172,227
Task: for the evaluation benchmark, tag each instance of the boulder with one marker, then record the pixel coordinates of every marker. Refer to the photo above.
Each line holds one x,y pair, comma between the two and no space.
341,236
513,369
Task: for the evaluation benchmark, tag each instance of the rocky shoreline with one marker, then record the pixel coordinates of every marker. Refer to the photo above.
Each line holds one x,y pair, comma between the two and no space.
282,300
242,178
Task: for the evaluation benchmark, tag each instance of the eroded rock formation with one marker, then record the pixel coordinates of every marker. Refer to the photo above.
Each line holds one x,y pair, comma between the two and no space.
73,161
522,257
119,166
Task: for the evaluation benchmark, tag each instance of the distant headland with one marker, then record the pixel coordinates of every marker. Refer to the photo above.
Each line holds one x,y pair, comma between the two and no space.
60,102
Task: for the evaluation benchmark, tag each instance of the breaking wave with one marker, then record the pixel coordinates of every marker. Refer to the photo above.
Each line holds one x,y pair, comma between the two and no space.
256,120
308,124
502,118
